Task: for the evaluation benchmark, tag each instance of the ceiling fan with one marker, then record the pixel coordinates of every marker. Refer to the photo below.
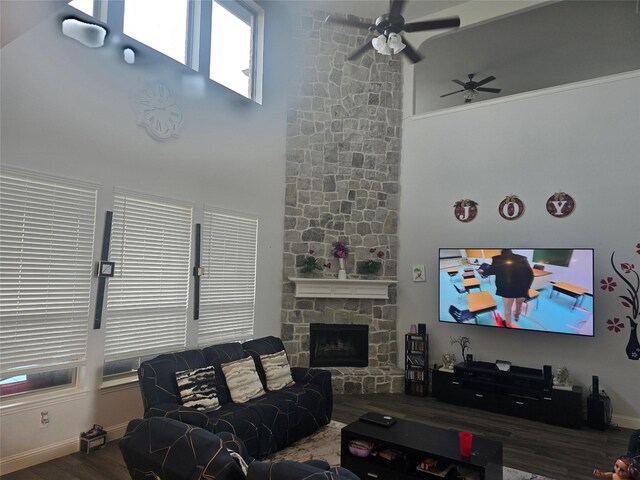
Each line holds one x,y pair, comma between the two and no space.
472,88
389,26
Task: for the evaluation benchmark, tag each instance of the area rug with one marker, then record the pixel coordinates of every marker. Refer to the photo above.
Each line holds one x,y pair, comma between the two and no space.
325,445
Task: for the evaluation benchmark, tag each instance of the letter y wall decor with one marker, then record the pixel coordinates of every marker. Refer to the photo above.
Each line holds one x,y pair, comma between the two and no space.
558,205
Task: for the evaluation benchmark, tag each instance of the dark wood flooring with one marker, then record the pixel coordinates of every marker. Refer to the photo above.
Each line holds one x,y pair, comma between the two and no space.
556,452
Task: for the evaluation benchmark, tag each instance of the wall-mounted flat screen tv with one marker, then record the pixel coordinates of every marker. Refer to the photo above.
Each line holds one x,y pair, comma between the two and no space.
545,289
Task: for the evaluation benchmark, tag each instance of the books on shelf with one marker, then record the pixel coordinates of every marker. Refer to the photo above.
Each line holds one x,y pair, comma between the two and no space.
435,467
415,360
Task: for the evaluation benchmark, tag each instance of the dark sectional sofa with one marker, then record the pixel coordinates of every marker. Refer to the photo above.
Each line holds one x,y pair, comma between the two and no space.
159,448
265,424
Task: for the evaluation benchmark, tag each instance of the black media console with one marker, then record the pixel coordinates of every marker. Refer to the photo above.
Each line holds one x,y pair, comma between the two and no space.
520,392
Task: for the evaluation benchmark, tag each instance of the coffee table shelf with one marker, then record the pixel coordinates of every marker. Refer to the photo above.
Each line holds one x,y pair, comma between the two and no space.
415,442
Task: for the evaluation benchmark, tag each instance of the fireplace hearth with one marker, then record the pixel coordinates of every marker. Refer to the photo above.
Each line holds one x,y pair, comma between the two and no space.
332,345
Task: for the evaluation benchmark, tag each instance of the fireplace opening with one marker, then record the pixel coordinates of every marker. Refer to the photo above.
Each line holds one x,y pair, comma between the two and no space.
333,345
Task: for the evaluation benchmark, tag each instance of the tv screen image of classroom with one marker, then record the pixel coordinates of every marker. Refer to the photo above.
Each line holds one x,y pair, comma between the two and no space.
559,298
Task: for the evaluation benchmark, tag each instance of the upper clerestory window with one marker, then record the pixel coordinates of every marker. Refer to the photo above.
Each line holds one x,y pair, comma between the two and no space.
220,38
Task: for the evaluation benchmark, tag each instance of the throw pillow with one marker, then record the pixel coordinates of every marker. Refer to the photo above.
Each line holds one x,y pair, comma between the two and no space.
242,380
276,370
198,388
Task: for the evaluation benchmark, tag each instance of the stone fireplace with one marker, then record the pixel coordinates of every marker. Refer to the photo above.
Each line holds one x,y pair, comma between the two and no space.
344,129
338,345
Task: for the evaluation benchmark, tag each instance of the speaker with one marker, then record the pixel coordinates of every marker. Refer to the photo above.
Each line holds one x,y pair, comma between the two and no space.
595,386
422,329
598,409
547,377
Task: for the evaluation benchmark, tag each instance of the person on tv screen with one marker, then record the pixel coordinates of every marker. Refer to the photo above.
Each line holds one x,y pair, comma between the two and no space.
514,277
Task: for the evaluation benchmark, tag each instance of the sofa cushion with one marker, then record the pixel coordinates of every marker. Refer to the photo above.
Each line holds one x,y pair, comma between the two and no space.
198,388
242,379
157,376
276,370
311,404
262,346
216,355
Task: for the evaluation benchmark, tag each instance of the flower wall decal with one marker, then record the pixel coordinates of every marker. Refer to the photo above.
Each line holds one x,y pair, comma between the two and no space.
629,297
608,284
615,324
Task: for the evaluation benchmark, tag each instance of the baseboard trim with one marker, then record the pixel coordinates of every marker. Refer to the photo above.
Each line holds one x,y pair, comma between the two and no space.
626,422
33,457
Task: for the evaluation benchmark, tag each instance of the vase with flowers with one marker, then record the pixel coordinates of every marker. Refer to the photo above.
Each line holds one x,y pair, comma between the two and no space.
340,251
372,266
311,263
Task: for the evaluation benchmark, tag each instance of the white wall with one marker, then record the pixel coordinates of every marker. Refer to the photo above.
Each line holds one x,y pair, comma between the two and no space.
66,110
582,139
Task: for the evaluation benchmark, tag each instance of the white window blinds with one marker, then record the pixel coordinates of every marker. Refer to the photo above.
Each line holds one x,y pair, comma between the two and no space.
227,289
147,299
47,229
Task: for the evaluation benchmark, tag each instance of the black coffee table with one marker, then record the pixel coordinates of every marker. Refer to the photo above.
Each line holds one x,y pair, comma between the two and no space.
415,442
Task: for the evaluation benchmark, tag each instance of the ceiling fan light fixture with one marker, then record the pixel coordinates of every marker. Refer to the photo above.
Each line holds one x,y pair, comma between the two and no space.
395,43
380,45
469,95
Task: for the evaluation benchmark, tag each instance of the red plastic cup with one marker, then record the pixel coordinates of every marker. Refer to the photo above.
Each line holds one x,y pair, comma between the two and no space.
465,443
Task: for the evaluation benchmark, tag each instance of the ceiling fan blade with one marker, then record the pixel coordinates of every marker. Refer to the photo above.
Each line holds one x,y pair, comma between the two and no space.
432,24
410,52
396,8
447,94
357,53
350,22
462,84
486,80
490,90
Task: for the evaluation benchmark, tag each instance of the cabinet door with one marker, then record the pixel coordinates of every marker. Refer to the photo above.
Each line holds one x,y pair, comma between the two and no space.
565,408
521,407
446,386
481,399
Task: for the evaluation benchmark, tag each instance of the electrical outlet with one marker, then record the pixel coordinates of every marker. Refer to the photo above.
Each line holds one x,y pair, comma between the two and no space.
44,419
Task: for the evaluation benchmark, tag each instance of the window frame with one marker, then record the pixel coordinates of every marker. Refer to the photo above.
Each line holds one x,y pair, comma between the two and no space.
198,36
184,285
54,187
209,272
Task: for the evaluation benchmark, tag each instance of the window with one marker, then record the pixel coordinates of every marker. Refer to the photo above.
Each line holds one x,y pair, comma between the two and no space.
46,237
160,24
147,299
227,289
85,6
222,39
231,46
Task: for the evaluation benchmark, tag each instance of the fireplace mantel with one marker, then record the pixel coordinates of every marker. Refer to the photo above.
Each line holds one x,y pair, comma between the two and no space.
334,288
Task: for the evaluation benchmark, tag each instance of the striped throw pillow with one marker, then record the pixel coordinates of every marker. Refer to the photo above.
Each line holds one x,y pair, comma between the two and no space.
198,388
242,380
277,370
